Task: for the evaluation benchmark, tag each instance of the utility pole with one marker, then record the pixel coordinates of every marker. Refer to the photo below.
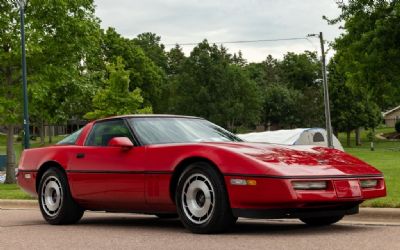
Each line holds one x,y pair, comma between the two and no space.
21,4
328,124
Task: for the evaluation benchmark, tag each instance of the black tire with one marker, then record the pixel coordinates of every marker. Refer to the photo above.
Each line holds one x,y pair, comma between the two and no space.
167,216
214,202
55,200
322,221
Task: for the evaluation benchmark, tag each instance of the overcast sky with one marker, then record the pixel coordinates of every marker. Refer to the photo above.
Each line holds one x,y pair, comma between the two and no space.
186,21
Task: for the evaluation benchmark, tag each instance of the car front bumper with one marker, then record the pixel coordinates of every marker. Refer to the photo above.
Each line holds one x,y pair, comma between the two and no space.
275,197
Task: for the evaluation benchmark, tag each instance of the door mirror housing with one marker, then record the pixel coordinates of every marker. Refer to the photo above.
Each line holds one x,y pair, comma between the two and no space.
122,142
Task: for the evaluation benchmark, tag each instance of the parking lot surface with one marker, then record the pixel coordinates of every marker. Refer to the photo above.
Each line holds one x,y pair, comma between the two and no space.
25,229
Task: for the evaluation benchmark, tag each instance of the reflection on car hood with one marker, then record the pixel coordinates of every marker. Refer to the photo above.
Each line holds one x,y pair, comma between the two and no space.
300,156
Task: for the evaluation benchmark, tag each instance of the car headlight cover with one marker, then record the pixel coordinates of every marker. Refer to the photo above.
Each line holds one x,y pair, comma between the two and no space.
309,185
368,183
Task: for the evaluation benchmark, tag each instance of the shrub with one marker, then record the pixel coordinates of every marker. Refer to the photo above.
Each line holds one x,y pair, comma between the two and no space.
397,126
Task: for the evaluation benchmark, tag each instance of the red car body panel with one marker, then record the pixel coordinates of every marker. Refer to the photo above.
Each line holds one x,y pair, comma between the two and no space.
139,179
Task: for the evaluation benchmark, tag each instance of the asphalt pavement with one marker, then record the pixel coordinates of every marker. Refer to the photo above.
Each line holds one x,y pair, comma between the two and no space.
25,229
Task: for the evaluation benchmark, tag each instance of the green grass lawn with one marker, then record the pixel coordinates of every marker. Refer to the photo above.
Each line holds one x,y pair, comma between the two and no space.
389,163
12,191
386,158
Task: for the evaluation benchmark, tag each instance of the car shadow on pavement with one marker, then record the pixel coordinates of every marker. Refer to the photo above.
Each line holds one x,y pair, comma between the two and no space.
148,222
294,227
242,227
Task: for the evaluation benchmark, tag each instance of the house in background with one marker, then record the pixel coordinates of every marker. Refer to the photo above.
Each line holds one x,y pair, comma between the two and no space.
392,116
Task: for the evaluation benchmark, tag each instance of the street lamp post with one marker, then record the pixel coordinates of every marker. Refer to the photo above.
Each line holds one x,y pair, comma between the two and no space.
21,4
328,124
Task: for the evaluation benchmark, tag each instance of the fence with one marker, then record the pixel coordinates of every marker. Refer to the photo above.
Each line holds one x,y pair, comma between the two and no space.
53,129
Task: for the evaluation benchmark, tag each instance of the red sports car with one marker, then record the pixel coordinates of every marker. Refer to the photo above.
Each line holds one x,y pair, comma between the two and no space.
182,166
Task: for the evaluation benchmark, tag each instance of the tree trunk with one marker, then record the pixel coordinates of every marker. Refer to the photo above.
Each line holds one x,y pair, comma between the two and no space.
51,128
373,140
358,137
10,170
42,134
348,133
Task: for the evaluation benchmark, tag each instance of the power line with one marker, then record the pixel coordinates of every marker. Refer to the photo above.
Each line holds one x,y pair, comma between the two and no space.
312,44
243,41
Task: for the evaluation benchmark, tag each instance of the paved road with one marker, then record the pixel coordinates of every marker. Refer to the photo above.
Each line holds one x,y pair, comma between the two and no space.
25,229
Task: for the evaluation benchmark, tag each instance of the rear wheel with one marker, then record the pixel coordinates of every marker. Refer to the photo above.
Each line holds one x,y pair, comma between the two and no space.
202,200
55,200
322,221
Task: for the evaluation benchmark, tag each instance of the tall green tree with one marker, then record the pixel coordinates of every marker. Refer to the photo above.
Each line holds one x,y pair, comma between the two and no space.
117,98
145,74
59,37
212,86
281,106
368,50
301,71
151,44
351,108
368,58
9,79
175,68
293,83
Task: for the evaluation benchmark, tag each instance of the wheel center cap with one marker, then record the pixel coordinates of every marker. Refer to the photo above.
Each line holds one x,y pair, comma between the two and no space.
54,196
200,198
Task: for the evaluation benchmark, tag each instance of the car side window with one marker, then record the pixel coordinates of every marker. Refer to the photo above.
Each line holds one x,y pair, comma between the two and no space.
103,131
71,139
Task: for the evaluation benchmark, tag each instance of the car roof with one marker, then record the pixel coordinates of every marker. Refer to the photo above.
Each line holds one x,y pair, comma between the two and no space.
149,116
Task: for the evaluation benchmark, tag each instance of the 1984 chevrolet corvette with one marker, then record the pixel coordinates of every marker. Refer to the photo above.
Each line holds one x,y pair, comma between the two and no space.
187,167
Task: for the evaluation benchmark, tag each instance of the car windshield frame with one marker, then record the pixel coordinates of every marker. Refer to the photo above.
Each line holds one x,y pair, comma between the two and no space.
151,134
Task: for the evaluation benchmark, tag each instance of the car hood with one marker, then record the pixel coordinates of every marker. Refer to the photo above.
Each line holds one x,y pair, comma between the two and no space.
302,159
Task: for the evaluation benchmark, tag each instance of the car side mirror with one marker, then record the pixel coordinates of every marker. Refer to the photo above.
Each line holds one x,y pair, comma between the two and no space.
123,142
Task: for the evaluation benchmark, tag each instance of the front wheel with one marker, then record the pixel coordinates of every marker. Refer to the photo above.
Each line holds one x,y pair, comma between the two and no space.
55,200
322,221
202,200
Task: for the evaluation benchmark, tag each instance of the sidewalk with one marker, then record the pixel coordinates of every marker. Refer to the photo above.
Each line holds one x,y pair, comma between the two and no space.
388,216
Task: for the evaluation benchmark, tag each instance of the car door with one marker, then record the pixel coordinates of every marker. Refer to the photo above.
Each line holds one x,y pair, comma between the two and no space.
108,177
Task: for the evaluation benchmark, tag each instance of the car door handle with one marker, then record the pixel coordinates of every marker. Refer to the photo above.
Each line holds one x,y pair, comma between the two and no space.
80,155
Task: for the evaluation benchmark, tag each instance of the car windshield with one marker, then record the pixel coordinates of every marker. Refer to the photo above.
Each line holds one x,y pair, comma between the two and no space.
161,130
70,139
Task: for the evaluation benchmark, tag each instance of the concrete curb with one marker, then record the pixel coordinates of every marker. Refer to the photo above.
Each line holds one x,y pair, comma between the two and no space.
18,204
377,214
